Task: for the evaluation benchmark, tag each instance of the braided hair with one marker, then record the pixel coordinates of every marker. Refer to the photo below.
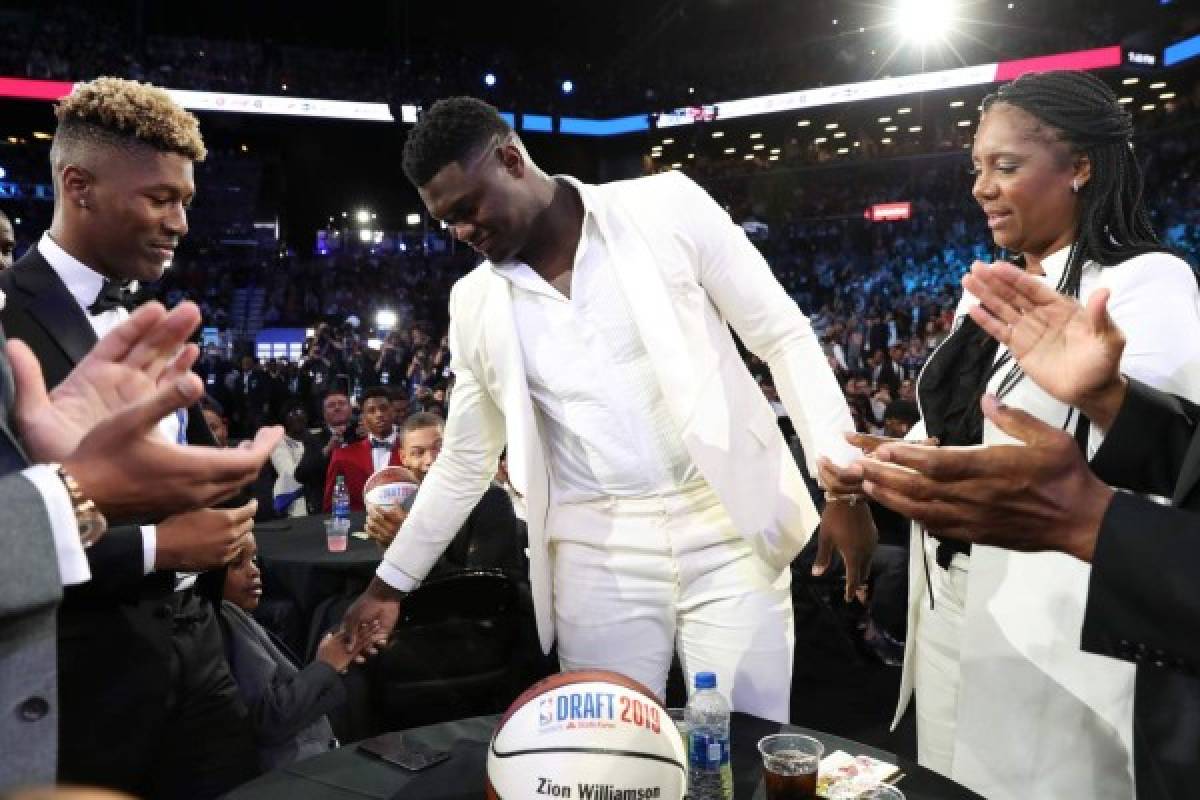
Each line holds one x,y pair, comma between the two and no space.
1082,112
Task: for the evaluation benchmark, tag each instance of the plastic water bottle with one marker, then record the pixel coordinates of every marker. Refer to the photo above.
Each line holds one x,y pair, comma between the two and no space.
710,774
341,505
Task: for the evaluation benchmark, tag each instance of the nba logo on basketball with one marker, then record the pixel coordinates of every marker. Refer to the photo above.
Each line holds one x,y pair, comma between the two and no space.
546,711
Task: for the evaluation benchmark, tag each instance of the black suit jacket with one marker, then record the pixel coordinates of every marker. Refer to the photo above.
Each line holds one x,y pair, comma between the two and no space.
1144,596
40,311
310,472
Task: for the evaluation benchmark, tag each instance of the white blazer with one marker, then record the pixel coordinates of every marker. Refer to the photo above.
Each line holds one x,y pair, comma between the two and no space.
686,271
1037,716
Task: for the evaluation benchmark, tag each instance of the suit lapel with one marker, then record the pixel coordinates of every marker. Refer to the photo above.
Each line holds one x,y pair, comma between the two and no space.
53,308
504,354
1188,474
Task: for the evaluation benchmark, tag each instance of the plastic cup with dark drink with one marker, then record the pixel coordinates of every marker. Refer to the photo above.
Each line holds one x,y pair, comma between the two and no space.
790,762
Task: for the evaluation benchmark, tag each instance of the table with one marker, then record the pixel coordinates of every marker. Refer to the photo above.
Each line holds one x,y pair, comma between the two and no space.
348,774
299,570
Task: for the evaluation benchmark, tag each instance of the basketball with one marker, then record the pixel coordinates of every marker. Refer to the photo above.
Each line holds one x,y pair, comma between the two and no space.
587,735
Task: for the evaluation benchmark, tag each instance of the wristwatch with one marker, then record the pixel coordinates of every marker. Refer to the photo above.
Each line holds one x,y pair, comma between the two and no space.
91,522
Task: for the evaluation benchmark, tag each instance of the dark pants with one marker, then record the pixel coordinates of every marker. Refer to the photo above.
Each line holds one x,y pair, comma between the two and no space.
152,712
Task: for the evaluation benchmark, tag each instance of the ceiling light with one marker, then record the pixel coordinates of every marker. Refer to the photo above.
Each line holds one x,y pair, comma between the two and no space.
756,136
718,134
1129,81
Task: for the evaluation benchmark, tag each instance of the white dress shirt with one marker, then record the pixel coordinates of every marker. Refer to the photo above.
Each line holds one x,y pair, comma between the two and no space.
380,458
607,429
72,563
84,284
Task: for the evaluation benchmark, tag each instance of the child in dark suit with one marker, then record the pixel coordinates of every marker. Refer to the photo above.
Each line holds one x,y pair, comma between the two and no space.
287,704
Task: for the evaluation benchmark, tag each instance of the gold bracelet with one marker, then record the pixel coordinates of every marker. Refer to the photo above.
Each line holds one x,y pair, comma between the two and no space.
849,499
92,524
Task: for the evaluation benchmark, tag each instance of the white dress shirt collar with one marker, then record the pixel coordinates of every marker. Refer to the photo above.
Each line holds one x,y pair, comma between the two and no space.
524,276
83,282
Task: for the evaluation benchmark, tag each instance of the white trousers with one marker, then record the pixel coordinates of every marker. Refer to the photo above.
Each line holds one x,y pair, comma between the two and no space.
634,578
938,676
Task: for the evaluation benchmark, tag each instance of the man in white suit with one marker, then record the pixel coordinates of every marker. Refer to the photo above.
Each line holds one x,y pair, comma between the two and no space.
664,507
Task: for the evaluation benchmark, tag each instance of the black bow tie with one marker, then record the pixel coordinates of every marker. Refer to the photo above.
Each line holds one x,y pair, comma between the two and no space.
112,295
377,444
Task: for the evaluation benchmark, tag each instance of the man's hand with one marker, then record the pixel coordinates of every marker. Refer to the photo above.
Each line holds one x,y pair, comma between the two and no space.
337,438
206,539
372,616
1031,497
129,470
1072,352
147,351
848,480
851,530
383,522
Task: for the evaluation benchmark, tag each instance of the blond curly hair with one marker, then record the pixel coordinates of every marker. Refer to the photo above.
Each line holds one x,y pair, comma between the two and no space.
115,108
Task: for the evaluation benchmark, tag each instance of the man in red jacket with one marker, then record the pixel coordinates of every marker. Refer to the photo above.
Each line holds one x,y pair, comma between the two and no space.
356,462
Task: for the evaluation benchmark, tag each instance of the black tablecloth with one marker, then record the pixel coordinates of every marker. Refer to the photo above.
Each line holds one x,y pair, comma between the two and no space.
347,773
299,570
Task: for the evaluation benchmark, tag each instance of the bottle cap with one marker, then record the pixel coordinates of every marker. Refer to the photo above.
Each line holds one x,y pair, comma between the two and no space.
706,680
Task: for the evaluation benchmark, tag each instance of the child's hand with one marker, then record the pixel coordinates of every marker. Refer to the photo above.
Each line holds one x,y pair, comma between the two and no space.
332,650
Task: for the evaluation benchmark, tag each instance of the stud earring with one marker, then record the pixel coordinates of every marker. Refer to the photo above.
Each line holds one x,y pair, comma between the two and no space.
1075,185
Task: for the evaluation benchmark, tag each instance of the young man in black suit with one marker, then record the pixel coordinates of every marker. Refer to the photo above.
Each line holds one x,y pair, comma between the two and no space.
147,702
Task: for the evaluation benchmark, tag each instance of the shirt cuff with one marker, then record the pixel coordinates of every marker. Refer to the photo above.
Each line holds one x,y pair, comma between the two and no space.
149,546
72,562
395,577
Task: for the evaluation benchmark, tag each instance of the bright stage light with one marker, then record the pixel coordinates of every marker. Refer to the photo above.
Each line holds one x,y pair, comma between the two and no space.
924,21
489,79
567,87
363,217
385,320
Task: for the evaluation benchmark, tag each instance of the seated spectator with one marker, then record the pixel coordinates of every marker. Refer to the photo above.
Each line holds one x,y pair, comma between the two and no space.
288,493
333,434
492,521
357,462
287,704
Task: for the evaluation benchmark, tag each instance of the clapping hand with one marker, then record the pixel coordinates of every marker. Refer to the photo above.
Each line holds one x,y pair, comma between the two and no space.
101,422
1073,352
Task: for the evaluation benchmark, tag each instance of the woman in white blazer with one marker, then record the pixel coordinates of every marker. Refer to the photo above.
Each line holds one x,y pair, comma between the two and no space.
1007,703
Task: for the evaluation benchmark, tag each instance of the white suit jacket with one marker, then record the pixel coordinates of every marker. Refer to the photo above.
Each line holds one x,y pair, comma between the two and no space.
1037,716
686,271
